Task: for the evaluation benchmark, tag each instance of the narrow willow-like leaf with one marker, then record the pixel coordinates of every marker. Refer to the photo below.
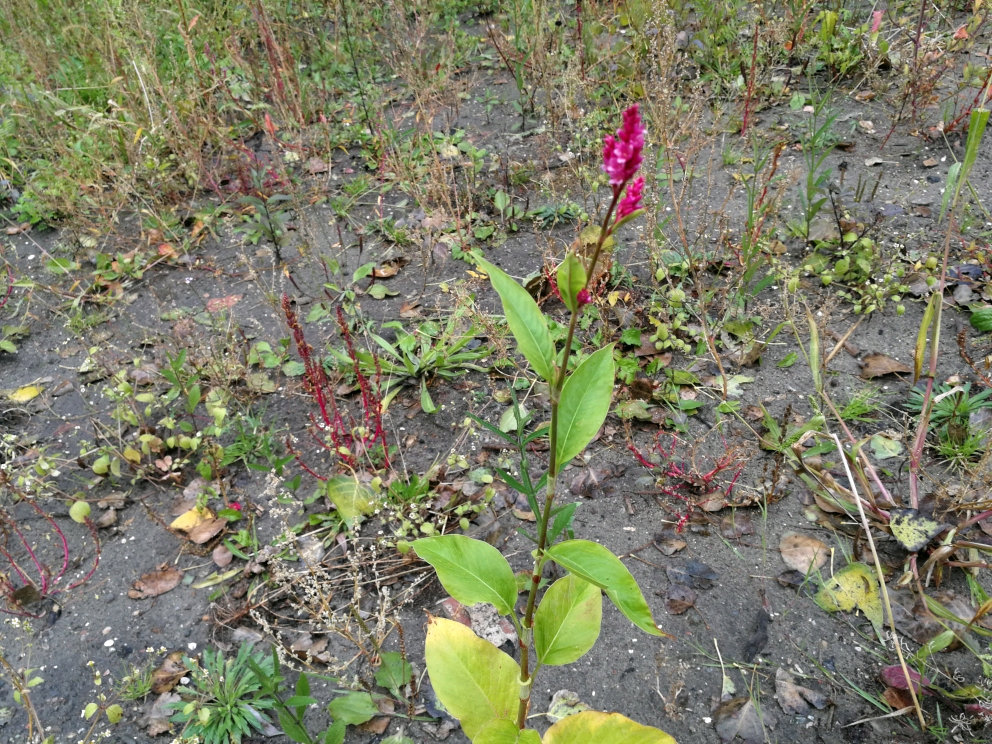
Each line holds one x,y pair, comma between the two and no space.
585,401
470,570
474,680
814,352
597,565
921,337
571,279
526,321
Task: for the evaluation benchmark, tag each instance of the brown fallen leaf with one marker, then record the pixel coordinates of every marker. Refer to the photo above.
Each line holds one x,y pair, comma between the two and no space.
642,389
679,598
589,480
879,365
155,583
389,268
15,229
107,519
670,546
792,698
221,556
526,516
315,165
739,717
712,502
206,530
168,673
222,303
930,163
897,699
379,724
803,553
156,720
736,526
410,310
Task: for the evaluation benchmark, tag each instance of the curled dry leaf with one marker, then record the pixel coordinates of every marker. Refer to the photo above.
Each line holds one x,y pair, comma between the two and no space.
739,717
156,721
670,546
565,703
168,673
759,636
155,583
879,365
695,574
222,556
792,698
803,553
679,598
206,530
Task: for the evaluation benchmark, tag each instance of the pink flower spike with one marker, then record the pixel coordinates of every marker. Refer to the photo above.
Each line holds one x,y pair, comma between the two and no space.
876,20
235,505
623,155
583,297
631,201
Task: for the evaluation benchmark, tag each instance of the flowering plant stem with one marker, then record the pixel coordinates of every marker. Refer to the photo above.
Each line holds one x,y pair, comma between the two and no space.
553,469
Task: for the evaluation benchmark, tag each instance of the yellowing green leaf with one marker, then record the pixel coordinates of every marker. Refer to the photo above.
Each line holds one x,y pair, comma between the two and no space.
597,565
189,519
585,401
470,570
350,498
567,622
24,394
853,587
603,728
115,713
473,679
912,530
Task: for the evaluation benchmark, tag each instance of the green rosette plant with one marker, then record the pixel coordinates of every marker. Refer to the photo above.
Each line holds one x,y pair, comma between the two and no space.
484,688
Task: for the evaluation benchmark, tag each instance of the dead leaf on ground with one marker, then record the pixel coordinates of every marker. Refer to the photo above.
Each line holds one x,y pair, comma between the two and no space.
679,598
156,721
315,165
107,519
168,673
736,526
893,676
526,516
565,703
712,502
15,229
222,556
589,480
897,699
792,698
389,268
879,365
222,303
670,546
306,647
206,530
188,520
695,574
803,553
740,717
155,583
912,529
759,636
410,310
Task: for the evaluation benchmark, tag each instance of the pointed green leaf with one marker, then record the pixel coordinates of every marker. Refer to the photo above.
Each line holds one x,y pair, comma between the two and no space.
567,622
571,280
470,570
350,498
473,679
526,321
505,731
394,672
597,565
603,728
585,401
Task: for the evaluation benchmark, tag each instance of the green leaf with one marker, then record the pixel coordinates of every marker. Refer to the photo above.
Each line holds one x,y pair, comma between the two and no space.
853,587
585,401
61,265
603,728
394,672
501,201
292,728
335,733
470,570
525,320
631,337
90,709
354,708
571,280
981,320
350,498
505,731
567,622
789,360
301,701
885,447
426,402
597,565
115,713
293,369
473,679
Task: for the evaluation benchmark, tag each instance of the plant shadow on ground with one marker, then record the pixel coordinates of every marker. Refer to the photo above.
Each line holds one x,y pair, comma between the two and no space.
244,325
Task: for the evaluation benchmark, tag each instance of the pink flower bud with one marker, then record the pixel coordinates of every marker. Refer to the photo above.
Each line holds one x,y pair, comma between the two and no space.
583,297
623,155
235,505
876,20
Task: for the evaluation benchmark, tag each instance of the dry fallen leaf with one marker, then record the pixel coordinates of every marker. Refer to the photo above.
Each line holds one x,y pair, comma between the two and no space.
803,553
191,518
740,717
156,720
168,673
679,598
221,556
792,698
930,163
670,546
206,530
222,303
24,394
878,365
155,583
